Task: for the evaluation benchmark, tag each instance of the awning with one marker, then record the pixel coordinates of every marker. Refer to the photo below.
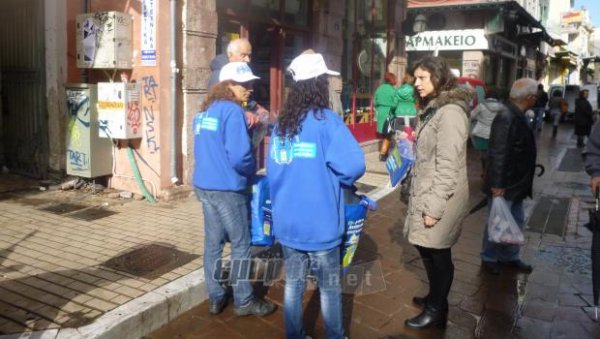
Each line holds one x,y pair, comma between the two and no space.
522,17
542,36
566,57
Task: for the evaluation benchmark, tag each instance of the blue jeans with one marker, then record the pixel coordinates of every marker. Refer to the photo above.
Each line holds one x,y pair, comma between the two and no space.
226,219
494,252
326,266
539,117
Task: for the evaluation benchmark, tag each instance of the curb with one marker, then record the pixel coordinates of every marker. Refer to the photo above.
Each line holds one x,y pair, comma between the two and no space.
138,317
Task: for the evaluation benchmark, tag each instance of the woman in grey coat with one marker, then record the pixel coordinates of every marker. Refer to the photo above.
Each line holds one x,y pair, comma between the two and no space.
439,195
482,117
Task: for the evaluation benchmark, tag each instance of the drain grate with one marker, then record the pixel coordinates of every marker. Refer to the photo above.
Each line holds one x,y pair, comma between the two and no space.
573,260
571,161
551,213
150,261
62,208
92,214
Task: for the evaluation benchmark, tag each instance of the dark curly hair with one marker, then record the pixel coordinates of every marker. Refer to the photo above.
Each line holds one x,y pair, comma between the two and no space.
220,91
441,76
303,96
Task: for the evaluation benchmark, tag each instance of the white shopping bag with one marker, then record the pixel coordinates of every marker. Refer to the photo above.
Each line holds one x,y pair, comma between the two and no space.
502,227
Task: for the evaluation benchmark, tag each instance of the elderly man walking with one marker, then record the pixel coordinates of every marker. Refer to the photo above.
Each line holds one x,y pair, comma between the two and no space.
511,167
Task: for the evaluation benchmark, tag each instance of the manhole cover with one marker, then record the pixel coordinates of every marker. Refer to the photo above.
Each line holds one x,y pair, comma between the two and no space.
91,214
150,261
571,161
62,208
571,259
549,215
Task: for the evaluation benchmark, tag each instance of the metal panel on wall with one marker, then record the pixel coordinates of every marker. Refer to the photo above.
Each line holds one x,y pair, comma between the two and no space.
88,155
22,55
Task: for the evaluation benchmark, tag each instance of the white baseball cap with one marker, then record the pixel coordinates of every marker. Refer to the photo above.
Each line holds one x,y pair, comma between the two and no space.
309,65
237,71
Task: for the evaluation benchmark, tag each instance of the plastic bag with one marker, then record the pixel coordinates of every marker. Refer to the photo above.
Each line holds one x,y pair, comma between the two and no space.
261,229
502,227
400,160
355,212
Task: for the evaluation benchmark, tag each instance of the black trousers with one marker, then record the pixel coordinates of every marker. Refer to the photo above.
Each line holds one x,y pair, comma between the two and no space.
440,272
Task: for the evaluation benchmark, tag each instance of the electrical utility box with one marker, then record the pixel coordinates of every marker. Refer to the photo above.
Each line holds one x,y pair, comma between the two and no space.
88,155
104,40
119,110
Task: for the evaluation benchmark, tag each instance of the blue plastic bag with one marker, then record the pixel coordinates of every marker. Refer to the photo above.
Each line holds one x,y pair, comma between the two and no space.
355,211
261,229
400,160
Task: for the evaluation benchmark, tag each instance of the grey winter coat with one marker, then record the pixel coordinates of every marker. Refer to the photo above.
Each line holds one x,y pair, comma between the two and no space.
482,117
440,188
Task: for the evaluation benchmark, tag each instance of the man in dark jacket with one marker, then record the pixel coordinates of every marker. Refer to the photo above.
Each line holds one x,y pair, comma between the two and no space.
511,167
584,117
540,107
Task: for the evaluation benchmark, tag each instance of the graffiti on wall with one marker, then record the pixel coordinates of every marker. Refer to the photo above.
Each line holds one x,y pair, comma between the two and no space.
78,111
149,89
134,116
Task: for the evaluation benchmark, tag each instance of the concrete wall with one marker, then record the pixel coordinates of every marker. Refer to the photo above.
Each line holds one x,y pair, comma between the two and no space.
199,34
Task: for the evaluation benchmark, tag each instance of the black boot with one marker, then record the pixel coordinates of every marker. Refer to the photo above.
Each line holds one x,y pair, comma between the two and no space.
554,131
430,317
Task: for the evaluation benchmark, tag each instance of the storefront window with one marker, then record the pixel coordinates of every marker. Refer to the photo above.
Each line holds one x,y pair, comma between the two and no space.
296,12
365,57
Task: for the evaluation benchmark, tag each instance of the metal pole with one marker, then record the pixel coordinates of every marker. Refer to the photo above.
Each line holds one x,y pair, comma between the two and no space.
174,70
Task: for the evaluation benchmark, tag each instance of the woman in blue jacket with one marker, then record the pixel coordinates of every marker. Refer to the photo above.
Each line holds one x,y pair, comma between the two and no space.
312,155
224,166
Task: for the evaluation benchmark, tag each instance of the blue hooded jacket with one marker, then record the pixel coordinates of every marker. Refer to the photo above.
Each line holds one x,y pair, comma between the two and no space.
306,175
222,150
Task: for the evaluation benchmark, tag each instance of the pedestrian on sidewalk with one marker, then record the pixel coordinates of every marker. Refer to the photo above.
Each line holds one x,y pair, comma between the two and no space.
439,196
557,107
511,167
584,117
406,110
312,156
591,156
224,167
539,108
385,102
482,117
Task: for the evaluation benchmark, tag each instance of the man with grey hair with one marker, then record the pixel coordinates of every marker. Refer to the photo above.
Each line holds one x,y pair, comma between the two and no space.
510,171
237,50
240,50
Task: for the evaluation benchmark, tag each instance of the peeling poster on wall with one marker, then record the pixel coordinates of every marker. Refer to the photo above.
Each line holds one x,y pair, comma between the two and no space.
149,13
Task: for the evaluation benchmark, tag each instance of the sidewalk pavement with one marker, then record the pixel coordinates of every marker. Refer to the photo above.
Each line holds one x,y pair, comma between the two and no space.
124,275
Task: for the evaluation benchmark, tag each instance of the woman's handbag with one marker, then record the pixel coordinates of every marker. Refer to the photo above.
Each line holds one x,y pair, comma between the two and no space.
405,189
389,124
502,227
564,107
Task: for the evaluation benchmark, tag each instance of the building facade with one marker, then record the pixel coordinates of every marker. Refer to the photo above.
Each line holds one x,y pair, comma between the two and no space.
167,68
496,41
